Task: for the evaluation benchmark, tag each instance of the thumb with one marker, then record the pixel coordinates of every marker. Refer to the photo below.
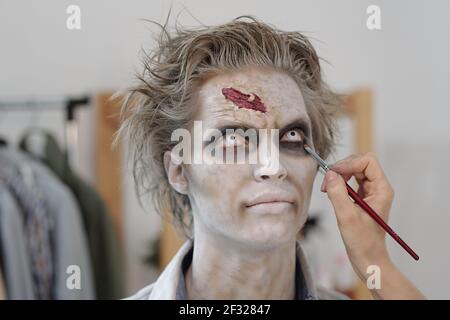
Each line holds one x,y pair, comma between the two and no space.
338,195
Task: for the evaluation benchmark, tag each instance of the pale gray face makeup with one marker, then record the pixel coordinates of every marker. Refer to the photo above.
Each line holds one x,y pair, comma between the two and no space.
222,194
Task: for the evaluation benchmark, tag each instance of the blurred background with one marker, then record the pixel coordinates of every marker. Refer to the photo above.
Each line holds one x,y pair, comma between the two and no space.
56,128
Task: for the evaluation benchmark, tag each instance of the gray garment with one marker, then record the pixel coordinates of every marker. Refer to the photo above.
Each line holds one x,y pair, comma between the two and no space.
170,285
301,290
69,236
16,263
2,286
37,226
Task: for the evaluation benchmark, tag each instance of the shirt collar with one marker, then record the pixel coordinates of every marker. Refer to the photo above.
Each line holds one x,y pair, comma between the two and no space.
171,283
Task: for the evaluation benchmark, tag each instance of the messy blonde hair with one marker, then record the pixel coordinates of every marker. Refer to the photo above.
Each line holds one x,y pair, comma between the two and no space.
160,101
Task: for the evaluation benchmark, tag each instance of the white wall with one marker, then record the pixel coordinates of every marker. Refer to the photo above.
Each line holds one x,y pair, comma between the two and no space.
405,64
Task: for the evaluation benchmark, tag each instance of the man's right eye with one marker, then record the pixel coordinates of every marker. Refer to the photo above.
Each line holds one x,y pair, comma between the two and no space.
232,140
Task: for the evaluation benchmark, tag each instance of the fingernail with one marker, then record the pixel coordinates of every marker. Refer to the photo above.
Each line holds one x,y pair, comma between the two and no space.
330,176
322,187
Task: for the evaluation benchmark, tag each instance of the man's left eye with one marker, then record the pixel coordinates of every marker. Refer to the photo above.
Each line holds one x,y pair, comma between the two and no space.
293,135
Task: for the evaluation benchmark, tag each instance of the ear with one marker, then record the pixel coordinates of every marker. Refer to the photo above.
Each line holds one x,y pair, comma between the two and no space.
175,174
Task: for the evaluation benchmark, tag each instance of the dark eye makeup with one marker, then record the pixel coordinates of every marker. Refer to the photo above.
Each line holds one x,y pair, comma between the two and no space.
291,139
296,143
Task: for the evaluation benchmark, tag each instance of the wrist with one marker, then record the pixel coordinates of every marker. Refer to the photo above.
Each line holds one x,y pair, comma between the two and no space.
365,265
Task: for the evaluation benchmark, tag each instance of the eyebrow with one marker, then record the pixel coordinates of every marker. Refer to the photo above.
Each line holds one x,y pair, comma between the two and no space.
301,123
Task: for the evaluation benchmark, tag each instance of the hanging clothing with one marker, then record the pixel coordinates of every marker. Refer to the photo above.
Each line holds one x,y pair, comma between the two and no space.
103,243
15,259
2,286
37,223
69,238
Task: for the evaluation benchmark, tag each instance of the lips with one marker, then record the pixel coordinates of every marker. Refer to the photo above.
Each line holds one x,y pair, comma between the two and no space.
270,198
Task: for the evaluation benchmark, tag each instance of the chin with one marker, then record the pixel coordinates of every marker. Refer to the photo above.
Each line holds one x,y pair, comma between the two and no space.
269,235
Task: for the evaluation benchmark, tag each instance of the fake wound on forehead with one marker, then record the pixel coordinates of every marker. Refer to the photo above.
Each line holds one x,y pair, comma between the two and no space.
244,100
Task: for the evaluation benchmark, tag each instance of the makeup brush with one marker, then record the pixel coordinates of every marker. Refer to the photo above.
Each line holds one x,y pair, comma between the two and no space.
352,193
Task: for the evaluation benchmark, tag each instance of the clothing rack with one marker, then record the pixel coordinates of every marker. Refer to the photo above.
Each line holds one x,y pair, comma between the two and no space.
69,104
56,103
98,204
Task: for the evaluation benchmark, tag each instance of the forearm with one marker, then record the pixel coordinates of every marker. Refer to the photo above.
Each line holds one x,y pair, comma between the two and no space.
393,284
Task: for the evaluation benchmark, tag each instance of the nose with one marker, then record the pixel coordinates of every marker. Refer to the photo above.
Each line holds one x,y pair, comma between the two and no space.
264,172
269,165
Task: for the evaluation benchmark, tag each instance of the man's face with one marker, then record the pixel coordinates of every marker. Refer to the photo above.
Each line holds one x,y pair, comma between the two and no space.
247,203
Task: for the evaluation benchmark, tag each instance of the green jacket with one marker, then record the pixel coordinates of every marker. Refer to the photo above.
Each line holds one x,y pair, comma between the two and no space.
102,239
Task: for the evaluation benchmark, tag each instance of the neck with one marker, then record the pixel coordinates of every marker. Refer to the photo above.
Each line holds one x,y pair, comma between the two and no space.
223,271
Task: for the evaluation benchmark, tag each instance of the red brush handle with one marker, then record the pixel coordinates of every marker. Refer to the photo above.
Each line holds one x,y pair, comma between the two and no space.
352,193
